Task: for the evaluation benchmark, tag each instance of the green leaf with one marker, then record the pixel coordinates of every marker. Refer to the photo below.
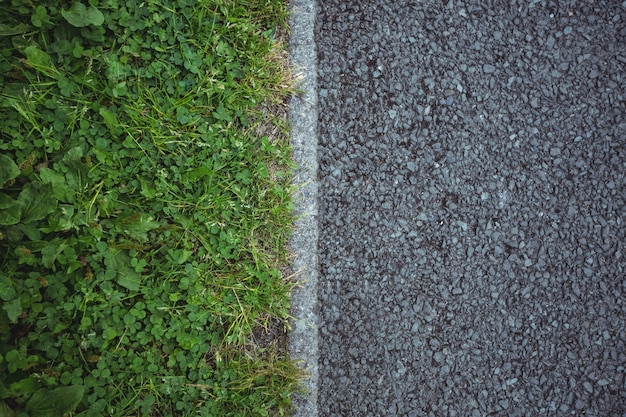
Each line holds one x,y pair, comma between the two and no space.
147,189
13,356
7,293
6,201
40,60
54,403
137,226
78,172
120,89
25,386
10,211
60,190
118,267
129,280
80,16
180,256
36,201
37,57
63,219
8,169
67,87
51,252
40,17
6,30
13,309
30,230
222,114
197,173
110,120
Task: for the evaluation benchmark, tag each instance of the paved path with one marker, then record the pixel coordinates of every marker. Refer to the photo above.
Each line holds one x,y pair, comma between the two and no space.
472,208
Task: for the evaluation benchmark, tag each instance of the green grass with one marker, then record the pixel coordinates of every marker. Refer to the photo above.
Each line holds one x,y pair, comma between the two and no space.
145,206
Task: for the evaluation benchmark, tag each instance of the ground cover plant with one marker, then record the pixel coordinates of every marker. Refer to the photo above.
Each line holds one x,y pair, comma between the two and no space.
144,208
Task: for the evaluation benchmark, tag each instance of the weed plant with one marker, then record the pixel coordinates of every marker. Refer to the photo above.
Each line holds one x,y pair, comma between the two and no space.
143,212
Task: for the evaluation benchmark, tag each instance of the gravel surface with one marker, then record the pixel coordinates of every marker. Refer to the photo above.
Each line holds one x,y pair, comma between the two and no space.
472,208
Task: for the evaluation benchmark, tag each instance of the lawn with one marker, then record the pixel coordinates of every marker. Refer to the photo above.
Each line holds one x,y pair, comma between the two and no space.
145,207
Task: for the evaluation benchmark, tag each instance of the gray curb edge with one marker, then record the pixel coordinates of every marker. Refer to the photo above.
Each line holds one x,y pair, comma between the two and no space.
303,338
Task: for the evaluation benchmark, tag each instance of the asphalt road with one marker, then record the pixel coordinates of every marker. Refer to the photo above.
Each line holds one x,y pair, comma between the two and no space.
472,208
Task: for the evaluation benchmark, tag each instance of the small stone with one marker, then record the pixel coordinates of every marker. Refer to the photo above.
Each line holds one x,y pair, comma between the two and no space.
511,381
567,30
489,69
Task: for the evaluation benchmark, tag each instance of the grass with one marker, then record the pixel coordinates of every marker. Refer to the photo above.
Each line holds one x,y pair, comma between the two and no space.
145,206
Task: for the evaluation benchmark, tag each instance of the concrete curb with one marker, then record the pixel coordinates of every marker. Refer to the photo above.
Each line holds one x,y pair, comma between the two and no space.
303,339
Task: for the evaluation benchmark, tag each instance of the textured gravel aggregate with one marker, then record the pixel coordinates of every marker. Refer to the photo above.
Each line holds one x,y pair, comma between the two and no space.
472,197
